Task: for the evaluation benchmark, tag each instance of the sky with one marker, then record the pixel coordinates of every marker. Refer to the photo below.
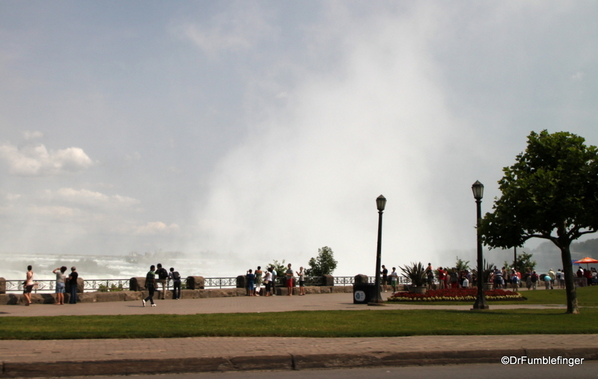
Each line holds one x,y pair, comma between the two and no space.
244,132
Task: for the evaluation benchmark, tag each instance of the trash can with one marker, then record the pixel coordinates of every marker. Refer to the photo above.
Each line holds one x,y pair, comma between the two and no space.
363,293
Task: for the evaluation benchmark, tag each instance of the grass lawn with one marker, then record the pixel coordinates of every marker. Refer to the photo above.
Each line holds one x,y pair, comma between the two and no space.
366,323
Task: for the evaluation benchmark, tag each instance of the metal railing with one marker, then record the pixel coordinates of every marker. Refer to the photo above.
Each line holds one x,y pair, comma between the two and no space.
112,285
224,282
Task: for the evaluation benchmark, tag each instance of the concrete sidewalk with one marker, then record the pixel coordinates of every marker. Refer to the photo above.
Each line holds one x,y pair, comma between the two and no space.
136,356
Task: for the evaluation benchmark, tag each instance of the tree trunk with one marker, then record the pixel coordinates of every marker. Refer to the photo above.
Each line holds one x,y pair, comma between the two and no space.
572,306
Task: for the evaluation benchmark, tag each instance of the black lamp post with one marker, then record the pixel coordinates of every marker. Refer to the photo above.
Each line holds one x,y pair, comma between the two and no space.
478,194
380,204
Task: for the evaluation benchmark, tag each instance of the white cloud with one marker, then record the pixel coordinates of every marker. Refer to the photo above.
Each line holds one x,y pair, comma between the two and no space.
52,211
36,160
156,227
32,135
12,196
91,198
236,30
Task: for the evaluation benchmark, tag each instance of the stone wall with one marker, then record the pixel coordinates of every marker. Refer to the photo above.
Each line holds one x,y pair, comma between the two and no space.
100,297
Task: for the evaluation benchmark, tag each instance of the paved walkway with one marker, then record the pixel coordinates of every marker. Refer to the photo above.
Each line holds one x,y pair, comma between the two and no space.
130,356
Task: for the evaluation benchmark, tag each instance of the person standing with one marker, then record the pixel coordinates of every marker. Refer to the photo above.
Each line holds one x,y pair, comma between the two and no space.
258,280
73,285
394,278
546,279
176,283
268,281
290,278
60,284
430,276
528,279
561,278
384,278
301,275
552,278
150,284
534,280
28,287
273,285
162,279
465,282
250,276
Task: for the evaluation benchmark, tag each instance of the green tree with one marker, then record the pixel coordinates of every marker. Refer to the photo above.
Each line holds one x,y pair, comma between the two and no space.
524,261
551,192
324,264
280,268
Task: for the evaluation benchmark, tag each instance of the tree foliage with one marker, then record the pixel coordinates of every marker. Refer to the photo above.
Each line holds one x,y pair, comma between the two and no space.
324,264
551,192
524,262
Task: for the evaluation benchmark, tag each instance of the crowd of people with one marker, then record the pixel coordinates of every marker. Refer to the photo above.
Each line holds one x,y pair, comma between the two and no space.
151,283
258,279
590,274
503,278
266,279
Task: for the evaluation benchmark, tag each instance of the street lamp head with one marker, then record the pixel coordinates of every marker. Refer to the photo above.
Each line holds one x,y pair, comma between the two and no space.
478,190
381,203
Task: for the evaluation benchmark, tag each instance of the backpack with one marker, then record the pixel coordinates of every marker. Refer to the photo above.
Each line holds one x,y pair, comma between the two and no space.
162,274
176,275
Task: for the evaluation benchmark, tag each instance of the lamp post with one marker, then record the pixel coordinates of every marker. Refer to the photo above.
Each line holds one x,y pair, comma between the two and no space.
478,194
380,204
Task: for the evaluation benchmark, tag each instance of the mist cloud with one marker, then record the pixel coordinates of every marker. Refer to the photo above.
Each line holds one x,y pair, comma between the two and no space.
308,176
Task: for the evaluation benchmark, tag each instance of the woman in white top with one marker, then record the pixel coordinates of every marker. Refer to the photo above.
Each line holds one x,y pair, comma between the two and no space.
268,282
28,285
301,275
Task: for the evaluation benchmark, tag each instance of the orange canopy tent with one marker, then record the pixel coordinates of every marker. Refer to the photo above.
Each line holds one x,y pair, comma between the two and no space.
587,261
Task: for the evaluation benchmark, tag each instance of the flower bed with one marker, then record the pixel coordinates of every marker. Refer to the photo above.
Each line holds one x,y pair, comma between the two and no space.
456,294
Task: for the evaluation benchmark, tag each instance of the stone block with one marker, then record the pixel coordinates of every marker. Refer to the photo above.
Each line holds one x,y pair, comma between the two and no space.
361,279
136,284
87,297
241,281
2,286
102,297
132,296
11,299
328,280
195,282
312,290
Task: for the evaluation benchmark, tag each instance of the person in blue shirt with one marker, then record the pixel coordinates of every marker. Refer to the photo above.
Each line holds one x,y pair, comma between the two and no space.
250,283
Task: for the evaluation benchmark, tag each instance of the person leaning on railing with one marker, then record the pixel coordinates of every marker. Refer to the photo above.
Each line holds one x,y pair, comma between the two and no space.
162,279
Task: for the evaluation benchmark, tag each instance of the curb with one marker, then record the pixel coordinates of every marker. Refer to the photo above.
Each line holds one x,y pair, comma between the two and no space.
277,362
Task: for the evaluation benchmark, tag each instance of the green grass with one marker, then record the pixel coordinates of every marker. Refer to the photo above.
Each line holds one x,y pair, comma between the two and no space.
365,323
586,296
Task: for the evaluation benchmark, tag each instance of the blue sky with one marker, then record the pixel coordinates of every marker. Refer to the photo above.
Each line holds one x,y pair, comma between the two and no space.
248,131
